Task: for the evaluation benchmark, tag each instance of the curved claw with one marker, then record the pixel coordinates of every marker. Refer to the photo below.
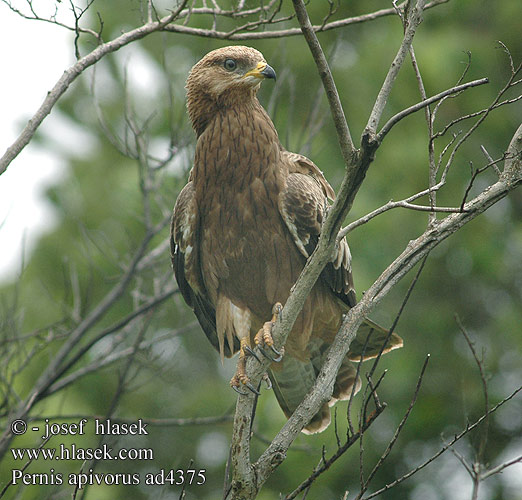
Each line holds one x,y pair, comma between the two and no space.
266,355
249,386
277,353
251,352
238,391
253,389
268,382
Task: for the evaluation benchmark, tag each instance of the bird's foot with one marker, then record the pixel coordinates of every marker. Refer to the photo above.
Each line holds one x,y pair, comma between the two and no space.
240,378
264,336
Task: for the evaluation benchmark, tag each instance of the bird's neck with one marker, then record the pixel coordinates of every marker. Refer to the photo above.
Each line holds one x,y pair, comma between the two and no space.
203,107
238,146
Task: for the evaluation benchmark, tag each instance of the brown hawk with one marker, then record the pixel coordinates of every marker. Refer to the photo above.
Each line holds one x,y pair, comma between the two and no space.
243,228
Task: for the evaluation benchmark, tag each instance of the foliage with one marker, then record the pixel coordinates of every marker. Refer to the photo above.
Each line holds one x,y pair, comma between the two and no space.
119,195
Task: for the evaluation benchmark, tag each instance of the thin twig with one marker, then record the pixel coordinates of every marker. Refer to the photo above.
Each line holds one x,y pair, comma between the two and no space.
112,358
477,124
343,132
393,440
480,365
414,19
447,446
326,464
501,467
475,173
406,203
420,105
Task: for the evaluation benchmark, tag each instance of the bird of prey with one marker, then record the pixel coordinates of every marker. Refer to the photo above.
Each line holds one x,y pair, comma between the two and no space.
244,226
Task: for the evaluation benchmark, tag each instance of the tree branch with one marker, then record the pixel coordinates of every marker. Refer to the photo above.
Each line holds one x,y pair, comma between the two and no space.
413,20
343,132
413,253
446,447
164,24
111,358
420,105
71,74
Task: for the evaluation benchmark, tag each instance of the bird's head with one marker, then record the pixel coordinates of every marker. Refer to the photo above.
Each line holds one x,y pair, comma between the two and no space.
225,76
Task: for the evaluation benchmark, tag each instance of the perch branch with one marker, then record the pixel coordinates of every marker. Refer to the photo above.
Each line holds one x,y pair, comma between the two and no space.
415,251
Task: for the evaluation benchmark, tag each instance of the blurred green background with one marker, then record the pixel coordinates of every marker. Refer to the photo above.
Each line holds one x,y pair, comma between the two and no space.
476,274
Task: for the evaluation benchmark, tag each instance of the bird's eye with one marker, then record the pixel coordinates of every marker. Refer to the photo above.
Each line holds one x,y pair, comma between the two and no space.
230,64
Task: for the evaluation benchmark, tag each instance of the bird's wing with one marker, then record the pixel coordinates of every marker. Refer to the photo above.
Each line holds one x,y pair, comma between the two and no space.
301,164
303,207
185,262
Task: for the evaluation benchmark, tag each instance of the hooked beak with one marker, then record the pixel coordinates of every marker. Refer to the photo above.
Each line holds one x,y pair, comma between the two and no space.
262,70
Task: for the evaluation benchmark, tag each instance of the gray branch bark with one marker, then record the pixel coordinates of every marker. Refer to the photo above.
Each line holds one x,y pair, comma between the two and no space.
164,24
71,74
249,477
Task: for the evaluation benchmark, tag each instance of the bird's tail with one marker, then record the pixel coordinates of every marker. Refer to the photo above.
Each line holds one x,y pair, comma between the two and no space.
293,378
372,339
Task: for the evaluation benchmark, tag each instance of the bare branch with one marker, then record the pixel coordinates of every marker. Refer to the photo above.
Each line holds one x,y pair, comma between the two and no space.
287,32
405,203
432,168
341,125
490,159
446,447
397,431
501,467
413,20
111,358
416,107
52,20
71,74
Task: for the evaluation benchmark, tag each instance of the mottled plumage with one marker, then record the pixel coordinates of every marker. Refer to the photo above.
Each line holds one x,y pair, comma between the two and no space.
244,226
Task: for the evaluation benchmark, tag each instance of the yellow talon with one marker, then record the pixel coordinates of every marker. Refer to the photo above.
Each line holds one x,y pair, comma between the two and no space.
264,335
240,377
